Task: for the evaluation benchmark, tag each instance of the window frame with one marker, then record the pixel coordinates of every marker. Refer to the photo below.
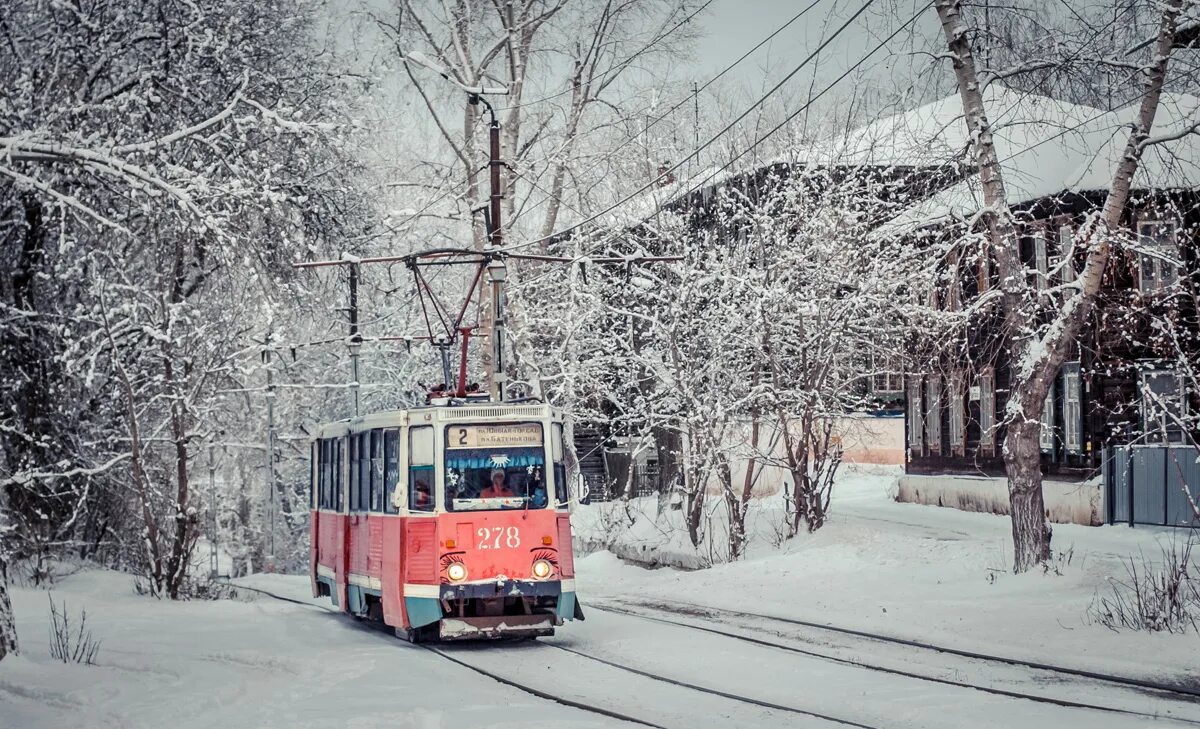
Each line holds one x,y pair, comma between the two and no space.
364,470
352,471
987,410
1049,425
391,469
1169,432
1072,408
413,466
1067,272
1158,266
1041,261
339,481
958,415
916,417
933,414
375,456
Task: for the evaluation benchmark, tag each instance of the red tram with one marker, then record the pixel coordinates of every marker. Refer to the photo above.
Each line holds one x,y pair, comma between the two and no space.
446,522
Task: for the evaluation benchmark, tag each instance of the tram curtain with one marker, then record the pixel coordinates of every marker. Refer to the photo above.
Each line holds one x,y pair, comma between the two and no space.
474,458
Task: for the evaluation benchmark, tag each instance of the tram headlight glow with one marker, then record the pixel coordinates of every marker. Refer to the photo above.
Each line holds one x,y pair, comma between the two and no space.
542,569
457,572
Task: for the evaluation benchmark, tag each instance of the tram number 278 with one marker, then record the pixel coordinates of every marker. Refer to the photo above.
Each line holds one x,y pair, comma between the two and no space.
492,537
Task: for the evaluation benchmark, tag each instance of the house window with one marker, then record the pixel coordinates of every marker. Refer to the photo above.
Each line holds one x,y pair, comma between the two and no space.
954,286
1163,406
957,414
1040,261
1066,244
1046,439
884,377
1157,255
916,424
1072,409
933,414
987,409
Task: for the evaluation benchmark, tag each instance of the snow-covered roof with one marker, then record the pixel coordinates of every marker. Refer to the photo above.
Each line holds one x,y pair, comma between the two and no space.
1079,157
930,136
934,134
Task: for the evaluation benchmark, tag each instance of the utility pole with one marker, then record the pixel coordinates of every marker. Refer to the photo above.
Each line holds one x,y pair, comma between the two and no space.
496,269
355,343
213,563
272,498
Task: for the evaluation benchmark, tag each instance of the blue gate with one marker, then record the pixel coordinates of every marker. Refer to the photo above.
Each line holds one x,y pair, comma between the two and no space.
1152,484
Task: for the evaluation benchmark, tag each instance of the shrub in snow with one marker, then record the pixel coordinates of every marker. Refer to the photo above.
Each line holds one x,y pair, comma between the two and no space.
68,643
1155,597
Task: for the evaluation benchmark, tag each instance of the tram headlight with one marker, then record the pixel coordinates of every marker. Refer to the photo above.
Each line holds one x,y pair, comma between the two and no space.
542,569
457,572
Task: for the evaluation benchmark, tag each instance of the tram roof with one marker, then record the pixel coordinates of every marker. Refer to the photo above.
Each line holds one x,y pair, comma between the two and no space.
486,412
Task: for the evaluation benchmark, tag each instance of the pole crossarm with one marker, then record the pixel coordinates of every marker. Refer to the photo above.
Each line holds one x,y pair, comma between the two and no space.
441,256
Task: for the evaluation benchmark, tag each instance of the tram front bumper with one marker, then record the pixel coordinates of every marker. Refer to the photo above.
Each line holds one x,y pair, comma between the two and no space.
498,626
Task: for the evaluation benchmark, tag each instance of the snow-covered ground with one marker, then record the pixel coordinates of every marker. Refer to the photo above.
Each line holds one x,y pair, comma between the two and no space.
921,572
903,570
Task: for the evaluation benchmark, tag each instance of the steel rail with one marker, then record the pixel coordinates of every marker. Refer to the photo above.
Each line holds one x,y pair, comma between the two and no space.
599,710
1193,694
712,691
1067,703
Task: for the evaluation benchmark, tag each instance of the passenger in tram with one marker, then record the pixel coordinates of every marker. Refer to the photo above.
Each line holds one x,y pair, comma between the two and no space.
422,496
497,489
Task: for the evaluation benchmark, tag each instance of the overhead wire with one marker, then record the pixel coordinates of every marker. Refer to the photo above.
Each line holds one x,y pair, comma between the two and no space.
690,97
713,139
811,100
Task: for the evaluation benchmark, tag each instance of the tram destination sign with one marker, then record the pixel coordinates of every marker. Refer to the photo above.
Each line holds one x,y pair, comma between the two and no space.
494,436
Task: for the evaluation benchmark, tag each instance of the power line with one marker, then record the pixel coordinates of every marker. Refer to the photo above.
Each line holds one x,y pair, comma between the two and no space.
711,140
695,95
779,126
643,49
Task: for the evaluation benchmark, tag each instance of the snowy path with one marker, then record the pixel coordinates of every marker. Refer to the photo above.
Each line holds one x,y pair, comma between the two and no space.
230,664
270,664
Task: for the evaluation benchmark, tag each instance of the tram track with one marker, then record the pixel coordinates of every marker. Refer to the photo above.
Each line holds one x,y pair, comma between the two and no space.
573,703
379,629
1175,692
691,611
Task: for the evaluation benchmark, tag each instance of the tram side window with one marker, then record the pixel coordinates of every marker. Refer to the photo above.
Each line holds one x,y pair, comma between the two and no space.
315,482
353,459
339,457
561,488
376,470
326,481
364,471
420,471
391,468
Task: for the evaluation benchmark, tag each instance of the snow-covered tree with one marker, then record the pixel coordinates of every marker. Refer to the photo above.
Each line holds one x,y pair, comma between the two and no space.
163,163
1039,345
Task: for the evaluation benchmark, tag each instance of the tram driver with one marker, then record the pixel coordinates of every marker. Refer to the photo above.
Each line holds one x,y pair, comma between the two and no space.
498,488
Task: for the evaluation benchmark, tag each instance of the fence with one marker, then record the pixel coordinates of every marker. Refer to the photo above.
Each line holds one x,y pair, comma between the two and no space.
1150,484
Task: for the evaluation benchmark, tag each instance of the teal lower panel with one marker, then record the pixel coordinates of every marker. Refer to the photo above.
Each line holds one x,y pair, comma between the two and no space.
422,610
566,606
333,596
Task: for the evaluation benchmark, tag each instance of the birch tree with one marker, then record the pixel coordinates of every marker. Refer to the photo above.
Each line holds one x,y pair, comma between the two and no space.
1037,352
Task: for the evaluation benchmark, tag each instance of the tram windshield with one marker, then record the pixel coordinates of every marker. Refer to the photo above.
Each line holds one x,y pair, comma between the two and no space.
483,479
